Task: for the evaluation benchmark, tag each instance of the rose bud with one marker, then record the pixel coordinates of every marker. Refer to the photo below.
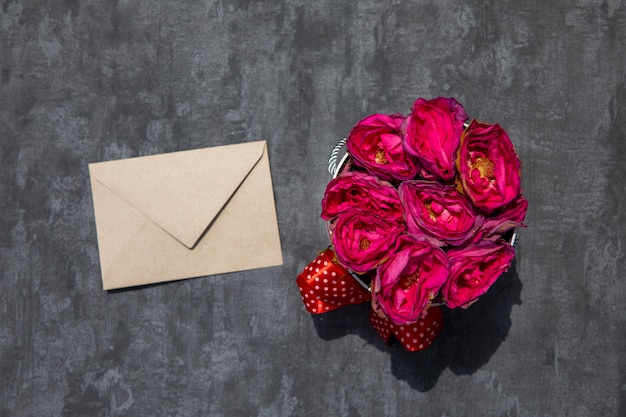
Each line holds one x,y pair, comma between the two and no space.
432,133
361,190
473,269
438,210
504,219
375,144
362,240
489,168
405,285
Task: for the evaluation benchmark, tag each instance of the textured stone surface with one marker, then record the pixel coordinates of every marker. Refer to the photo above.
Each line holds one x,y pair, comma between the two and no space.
86,81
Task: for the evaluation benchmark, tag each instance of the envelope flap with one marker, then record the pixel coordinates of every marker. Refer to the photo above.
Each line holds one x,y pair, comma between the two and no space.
165,187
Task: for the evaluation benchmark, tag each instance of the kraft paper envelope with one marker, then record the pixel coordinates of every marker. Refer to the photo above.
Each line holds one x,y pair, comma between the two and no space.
185,214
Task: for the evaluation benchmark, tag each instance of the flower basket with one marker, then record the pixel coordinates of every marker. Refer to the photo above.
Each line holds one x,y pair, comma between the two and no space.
421,215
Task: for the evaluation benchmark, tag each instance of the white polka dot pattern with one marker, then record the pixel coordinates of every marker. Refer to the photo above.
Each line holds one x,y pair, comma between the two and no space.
415,336
325,285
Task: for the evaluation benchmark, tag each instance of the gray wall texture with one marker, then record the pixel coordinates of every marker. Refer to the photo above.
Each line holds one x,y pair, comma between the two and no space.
87,81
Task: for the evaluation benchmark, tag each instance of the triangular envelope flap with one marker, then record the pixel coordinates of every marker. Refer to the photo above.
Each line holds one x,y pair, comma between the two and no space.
182,192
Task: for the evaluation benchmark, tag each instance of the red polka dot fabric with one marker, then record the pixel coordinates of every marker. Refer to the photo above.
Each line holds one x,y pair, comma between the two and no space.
415,336
325,285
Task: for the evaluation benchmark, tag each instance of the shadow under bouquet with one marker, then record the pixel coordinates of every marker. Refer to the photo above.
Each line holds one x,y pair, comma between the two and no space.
421,214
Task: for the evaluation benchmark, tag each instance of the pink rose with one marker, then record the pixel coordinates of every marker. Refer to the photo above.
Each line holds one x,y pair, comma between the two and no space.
504,219
363,240
375,144
473,269
432,133
438,210
489,168
361,190
409,280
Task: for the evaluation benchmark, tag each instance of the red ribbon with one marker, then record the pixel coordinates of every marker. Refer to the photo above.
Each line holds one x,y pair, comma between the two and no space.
415,336
325,285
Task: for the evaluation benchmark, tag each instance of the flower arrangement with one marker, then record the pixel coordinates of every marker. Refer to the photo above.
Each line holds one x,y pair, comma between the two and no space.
421,214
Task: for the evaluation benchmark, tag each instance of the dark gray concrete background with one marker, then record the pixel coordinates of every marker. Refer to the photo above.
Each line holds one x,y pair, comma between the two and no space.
87,81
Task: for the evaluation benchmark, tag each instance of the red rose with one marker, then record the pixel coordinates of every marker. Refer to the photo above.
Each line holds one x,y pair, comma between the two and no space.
407,282
504,219
362,240
438,210
358,189
432,133
474,269
375,144
489,168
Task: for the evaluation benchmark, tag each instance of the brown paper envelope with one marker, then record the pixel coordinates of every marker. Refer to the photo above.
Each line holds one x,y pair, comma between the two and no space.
185,214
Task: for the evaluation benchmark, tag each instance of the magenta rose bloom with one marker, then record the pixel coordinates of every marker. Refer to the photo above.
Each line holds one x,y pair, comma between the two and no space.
405,285
489,168
438,210
432,133
504,219
363,240
375,144
361,190
473,269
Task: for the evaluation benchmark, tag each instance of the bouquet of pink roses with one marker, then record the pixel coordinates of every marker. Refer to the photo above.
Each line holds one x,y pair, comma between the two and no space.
422,211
